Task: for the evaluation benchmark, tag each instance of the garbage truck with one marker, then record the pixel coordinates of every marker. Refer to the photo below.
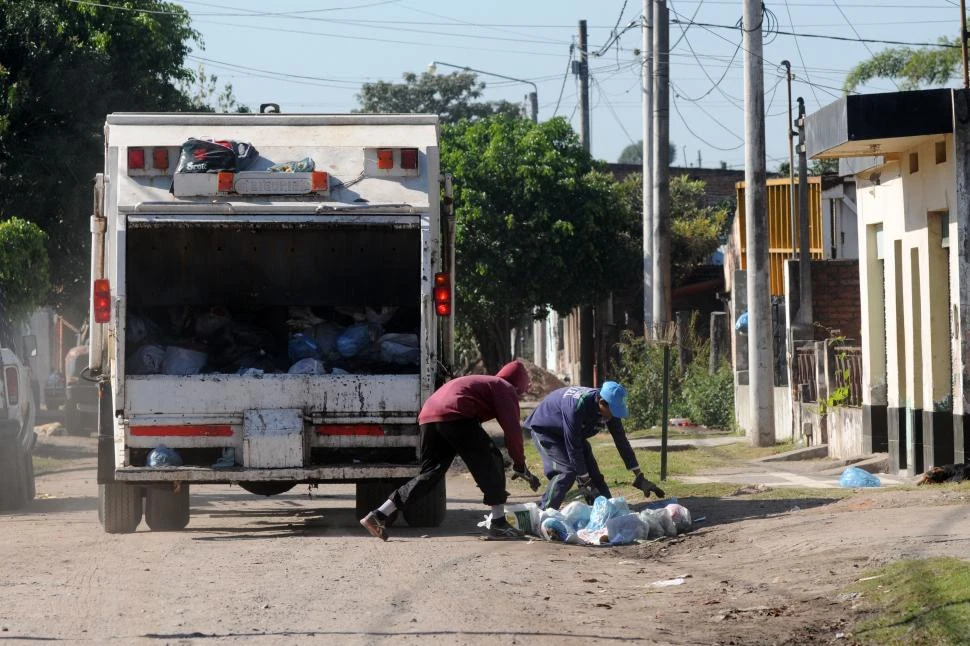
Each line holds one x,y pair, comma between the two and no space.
272,303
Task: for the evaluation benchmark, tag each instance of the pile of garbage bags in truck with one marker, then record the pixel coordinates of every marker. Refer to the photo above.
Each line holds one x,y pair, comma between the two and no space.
608,521
191,341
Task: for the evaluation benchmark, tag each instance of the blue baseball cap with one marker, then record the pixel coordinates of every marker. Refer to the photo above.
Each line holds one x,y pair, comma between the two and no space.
615,396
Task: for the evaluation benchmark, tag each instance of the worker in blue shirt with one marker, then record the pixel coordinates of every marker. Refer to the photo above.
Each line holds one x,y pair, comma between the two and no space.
561,426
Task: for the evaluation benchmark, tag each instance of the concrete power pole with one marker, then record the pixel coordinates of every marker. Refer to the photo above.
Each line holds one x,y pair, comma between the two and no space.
587,348
661,164
646,52
805,314
761,374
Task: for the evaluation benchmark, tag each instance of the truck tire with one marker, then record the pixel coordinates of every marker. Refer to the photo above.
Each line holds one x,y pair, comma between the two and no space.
371,494
429,510
29,482
13,489
267,488
119,507
167,507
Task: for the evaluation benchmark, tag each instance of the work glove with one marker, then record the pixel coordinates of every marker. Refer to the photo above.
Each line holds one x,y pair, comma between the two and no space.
524,474
587,489
647,487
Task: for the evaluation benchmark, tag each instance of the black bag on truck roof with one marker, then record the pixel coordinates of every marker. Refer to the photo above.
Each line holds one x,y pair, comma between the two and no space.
207,155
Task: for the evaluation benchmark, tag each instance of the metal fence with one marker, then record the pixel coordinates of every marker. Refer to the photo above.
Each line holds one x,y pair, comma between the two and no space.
846,365
805,375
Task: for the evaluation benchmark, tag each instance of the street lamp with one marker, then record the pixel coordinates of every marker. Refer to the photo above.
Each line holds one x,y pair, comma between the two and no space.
533,95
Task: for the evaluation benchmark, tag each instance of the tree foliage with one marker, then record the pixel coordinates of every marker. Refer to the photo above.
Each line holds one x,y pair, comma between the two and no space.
24,269
913,67
697,228
452,97
63,67
538,226
633,154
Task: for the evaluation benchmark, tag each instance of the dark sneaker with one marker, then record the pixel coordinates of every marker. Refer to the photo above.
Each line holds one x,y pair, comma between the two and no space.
375,524
502,530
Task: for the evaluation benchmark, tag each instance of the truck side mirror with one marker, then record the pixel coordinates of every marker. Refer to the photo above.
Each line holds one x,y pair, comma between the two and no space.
30,345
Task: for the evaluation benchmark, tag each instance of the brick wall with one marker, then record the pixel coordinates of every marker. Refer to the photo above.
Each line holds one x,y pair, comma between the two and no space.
835,298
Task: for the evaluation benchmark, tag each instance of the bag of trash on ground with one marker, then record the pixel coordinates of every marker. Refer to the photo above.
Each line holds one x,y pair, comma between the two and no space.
854,477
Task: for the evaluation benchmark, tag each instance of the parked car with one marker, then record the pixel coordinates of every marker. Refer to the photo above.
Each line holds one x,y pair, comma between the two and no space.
80,394
17,437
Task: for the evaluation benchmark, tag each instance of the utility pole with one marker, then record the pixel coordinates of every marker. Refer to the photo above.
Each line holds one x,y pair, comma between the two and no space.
646,71
791,161
963,43
760,347
805,314
661,166
587,339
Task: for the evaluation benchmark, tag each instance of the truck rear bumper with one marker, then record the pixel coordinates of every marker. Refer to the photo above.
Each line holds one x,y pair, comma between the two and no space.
200,475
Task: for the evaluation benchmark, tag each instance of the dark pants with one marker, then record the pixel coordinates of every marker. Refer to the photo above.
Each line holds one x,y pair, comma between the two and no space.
440,443
559,470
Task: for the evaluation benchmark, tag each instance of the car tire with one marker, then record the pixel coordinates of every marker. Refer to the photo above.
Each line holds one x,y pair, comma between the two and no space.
72,420
13,489
371,494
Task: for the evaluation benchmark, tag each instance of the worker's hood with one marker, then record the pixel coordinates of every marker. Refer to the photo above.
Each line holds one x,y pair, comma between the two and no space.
515,373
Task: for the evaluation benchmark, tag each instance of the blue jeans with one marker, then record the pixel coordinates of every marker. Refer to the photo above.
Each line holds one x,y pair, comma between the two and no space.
560,471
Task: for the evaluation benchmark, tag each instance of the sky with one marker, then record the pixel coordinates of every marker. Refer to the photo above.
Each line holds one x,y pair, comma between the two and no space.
314,55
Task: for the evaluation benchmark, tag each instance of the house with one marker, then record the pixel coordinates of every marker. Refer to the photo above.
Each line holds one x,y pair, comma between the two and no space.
909,153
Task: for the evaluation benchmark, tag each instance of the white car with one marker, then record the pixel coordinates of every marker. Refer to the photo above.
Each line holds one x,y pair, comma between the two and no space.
17,437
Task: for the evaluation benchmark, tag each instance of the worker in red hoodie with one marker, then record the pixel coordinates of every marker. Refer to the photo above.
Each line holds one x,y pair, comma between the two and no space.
451,424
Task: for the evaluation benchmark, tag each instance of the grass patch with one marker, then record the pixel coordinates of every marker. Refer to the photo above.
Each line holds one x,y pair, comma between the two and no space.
50,465
685,462
916,603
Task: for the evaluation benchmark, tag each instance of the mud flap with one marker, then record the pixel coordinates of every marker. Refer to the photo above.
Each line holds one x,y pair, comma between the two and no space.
106,435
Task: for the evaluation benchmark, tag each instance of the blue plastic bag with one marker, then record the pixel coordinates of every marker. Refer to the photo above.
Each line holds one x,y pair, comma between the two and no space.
854,477
742,324
302,346
162,456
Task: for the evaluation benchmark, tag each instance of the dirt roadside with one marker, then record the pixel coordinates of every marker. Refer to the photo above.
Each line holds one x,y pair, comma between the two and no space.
296,569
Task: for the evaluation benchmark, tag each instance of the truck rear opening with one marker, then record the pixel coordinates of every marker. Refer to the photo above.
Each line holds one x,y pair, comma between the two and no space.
273,324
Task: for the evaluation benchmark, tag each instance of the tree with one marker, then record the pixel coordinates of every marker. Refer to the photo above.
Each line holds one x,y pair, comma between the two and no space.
24,269
697,228
538,225
204,94
633,154
914,67
450,96
63,67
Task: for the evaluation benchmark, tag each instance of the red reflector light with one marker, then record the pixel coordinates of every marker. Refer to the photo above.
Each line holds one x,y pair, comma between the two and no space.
385,158
349,429
319,181
102,300
189,430
409,158
225,181
136,158
13,386
160,158
442,294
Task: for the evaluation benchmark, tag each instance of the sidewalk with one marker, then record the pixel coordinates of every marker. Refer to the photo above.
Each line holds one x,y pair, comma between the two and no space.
798,468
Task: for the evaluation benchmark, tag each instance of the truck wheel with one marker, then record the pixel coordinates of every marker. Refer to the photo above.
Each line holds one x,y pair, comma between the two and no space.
119,507
371,494
167,508
429,510
13,490
267,488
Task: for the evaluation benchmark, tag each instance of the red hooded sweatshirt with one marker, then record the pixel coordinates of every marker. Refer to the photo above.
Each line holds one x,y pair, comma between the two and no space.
483,397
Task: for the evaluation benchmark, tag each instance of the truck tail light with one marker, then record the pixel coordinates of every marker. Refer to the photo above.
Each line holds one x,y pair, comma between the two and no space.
409,158
136,158
385,158
12,385
442,294
102,300
160,158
